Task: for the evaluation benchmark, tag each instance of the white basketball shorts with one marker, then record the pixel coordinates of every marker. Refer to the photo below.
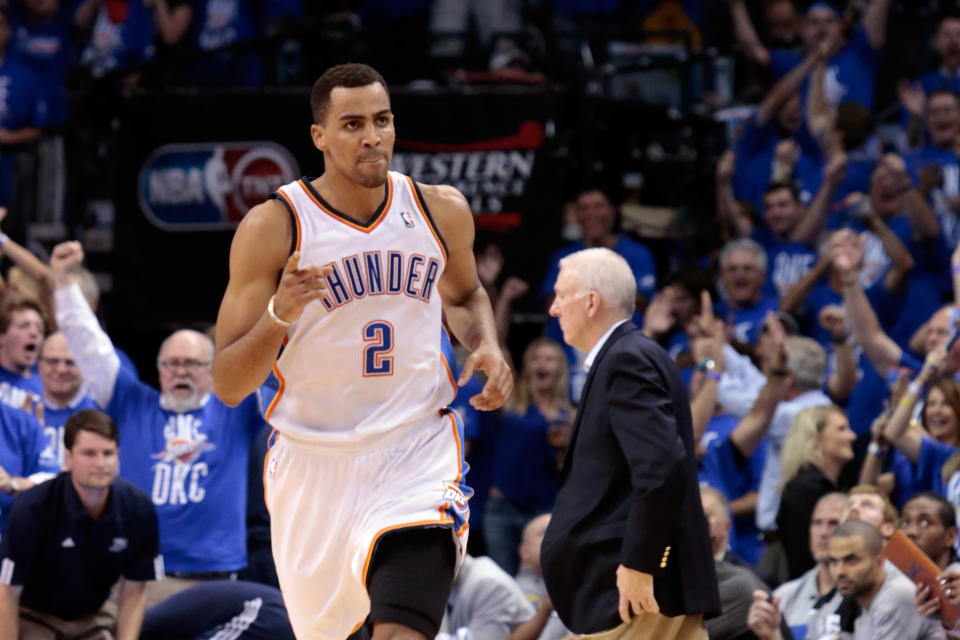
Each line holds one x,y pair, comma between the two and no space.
329,505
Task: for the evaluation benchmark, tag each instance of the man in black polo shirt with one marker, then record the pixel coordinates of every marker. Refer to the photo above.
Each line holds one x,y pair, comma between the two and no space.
67,541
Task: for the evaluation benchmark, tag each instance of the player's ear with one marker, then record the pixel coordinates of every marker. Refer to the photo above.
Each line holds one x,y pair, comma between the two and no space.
317,134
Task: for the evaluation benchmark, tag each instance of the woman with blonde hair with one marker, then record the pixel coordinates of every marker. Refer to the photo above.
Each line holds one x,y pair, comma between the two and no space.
534,429
818,444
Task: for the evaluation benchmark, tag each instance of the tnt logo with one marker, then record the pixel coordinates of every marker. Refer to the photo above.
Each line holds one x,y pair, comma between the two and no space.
407,219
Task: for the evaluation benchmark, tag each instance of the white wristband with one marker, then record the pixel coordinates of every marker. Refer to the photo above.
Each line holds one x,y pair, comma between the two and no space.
273,314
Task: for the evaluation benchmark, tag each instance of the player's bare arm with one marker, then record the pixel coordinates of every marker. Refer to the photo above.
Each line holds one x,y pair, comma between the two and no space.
248,338
465,301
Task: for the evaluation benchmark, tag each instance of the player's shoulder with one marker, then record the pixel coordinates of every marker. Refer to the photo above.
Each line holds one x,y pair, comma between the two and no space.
267,228
443,200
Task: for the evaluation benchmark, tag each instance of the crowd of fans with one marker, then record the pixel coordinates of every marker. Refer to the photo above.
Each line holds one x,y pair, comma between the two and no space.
817,341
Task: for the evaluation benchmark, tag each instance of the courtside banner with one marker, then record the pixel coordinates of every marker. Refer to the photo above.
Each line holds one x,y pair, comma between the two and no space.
492,172
210,185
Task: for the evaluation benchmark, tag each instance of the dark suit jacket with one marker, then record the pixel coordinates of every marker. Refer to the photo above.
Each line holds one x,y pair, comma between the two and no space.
629,492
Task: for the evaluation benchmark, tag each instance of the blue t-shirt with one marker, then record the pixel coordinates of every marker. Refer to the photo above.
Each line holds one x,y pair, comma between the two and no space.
48,50
525,467
930,464
849,74
122,45
23,450
55,418
721,469
876,262
934,80
787,261
217,25
948,188
755,152
194,468
747,323
20,106
20,392
637,256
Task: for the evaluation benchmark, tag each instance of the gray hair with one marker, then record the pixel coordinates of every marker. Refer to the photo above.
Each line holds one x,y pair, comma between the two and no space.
744,244
607,273
87,283
807,360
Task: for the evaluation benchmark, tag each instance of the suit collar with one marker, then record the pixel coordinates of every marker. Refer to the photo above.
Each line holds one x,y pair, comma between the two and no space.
618,333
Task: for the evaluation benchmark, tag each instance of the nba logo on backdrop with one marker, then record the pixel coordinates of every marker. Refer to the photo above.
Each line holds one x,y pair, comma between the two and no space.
210,185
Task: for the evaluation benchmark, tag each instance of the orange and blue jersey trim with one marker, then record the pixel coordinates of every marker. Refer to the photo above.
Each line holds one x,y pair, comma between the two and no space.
328,209
296,229
459,515
425,212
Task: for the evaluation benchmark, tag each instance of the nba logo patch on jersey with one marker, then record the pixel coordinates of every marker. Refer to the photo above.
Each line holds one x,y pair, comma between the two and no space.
407,219
272,469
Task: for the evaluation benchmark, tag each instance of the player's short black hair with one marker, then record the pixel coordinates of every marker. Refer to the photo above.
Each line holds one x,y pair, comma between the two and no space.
89,420
350,75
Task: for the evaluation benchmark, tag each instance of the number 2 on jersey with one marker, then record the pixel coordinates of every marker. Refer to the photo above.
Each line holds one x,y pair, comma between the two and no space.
378,336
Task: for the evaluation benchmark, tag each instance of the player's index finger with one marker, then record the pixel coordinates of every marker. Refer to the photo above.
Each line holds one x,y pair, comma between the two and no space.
293,262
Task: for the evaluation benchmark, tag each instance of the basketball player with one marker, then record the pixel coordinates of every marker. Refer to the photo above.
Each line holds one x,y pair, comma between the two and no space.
351,272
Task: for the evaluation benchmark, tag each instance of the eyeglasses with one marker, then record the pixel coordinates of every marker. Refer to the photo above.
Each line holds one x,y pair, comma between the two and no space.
56,362
189,365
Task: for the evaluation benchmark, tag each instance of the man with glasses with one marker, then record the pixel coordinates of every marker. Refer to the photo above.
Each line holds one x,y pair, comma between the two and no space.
63,392
183,446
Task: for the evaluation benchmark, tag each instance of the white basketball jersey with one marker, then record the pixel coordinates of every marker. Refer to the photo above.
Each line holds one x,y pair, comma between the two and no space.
367,357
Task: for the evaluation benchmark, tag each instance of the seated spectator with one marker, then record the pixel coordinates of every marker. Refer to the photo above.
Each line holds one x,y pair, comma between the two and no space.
184,446
26,457
878,600
798,598
220,609
534,428
930,521
743,271
736,583
21,332
67,541
818,445
63,393
530,576
487,604
946,43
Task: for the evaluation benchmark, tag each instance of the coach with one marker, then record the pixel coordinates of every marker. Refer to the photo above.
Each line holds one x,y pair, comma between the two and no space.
628,541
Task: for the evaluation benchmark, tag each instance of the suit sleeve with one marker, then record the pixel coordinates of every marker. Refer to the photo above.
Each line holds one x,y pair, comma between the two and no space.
643,421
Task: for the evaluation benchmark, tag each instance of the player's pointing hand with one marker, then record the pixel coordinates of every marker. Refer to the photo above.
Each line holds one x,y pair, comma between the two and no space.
299,287
489,359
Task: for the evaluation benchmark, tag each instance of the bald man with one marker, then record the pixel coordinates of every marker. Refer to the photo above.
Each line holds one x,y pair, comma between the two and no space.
181,445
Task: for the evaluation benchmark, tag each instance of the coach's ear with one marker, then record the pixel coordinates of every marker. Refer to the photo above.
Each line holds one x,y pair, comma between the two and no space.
318,137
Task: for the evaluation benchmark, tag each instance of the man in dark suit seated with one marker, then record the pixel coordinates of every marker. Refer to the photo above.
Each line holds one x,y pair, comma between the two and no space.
627,553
